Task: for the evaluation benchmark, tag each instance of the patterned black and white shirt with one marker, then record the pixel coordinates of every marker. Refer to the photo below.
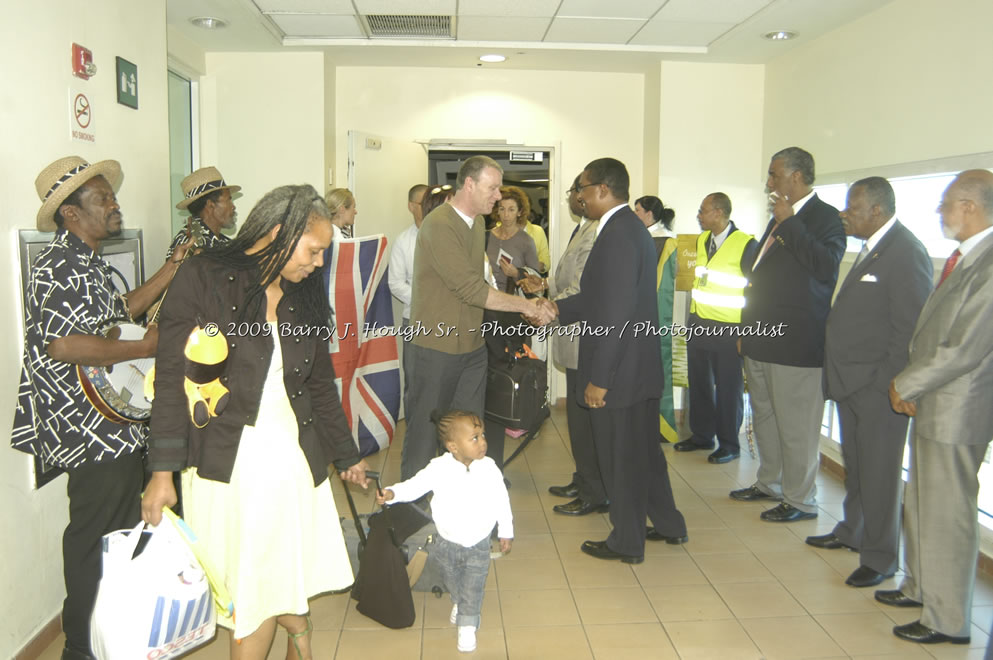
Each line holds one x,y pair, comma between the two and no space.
70,292
210,238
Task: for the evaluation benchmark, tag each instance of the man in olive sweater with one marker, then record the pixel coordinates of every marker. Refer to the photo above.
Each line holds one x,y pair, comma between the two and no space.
447,353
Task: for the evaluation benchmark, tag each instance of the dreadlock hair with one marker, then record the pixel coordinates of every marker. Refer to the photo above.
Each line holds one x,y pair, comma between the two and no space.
291,208
444,421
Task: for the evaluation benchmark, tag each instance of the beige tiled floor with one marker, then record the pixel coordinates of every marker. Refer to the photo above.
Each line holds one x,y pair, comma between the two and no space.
741,588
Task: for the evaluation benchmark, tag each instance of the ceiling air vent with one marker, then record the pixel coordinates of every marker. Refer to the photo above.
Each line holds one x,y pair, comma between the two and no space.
397,26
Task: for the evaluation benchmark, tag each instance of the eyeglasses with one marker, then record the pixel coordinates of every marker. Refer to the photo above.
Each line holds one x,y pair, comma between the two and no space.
576,189
438,189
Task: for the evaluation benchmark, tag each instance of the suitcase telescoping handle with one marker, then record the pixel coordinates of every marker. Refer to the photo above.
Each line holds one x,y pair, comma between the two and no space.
355,514
386,509
351,505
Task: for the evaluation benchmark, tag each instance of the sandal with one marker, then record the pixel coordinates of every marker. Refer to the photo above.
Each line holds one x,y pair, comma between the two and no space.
295,636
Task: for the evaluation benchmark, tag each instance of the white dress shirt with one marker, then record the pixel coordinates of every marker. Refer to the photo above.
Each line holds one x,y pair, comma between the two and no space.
402,267
462,215
877,235
606,216
719,238
658,230
966,246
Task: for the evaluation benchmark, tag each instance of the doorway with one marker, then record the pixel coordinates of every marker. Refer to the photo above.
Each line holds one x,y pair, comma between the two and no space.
528,170
182,99
381,170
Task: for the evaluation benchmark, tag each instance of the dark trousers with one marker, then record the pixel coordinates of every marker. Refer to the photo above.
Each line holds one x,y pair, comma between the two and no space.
716,387
872,442
587,475
103,497
635,474
405,366
441,381
496,437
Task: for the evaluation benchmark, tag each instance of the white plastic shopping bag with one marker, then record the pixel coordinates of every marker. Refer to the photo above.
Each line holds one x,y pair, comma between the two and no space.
155,606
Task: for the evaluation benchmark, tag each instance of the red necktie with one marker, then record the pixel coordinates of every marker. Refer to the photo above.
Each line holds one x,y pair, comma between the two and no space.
949,266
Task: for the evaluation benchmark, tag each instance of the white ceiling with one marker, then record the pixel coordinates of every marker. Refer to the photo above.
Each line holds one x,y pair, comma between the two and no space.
597,35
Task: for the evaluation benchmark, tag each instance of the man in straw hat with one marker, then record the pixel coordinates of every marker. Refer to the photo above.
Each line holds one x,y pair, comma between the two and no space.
69,295
208,199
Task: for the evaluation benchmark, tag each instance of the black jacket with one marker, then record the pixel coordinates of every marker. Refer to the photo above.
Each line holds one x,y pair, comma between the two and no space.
792,285
209,292
619,348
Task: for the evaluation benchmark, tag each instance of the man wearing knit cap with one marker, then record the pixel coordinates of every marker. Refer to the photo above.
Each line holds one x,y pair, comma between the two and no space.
70,296
208,199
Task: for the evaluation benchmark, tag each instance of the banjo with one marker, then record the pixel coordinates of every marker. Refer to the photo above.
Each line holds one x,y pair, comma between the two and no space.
122,392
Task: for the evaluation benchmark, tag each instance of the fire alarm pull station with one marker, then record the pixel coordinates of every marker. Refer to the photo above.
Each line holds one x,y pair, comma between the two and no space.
82,62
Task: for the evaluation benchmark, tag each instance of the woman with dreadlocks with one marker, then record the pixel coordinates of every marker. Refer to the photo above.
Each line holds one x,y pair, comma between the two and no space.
255,473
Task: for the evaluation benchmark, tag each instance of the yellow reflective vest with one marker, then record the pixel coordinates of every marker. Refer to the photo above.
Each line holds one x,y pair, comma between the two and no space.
718,290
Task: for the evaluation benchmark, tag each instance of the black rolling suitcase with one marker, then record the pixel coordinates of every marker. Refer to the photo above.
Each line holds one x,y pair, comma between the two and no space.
382,586
516,385
516,391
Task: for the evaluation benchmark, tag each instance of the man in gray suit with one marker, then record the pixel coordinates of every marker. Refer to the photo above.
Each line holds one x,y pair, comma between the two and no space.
946,386
586,486
868,332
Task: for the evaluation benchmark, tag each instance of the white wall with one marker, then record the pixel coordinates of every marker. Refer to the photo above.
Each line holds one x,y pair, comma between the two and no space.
908,82
711,140
591,114
263,121
35,41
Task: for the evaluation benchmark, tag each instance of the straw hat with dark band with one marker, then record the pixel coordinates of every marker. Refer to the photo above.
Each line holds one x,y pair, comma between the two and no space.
63,177
202,182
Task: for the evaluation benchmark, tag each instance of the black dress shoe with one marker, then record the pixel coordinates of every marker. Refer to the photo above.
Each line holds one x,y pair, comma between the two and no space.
750,494
652,534
579,507
723,455
918,632
895,598
572,490
828,542
863,576
689,445
786,513
600,550
72,653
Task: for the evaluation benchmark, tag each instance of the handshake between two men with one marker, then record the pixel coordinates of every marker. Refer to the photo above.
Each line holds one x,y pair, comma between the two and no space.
544,313
545,310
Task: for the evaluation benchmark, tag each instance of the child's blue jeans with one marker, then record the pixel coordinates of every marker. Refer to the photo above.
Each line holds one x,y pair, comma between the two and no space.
465,570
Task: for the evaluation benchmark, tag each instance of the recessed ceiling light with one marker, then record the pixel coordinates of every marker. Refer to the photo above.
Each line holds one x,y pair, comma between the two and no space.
209,22
492,58
780,35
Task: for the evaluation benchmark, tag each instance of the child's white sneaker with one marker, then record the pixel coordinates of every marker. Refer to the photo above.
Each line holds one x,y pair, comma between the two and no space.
455,613
467,639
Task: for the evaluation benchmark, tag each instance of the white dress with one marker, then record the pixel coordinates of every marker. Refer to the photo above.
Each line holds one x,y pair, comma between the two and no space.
273,537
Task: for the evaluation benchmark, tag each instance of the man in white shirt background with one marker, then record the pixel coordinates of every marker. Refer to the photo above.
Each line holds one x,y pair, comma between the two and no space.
401,272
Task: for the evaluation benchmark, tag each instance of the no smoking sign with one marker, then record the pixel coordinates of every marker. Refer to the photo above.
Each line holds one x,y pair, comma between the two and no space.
80,117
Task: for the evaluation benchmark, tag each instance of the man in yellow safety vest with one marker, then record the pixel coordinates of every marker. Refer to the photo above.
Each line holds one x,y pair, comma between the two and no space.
724,257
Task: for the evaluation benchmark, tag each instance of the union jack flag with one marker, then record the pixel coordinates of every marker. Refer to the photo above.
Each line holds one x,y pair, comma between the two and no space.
364,344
